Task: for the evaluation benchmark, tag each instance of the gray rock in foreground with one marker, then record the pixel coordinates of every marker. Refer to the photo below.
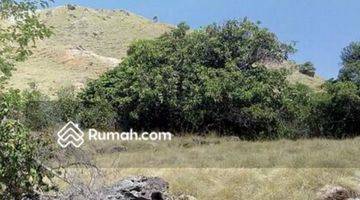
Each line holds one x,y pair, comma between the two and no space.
132,188
137,188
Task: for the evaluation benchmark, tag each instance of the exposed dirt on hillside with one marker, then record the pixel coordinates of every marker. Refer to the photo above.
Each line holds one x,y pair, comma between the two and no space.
86,43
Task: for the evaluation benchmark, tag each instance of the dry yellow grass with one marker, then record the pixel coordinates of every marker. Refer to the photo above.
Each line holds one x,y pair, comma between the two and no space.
297,77
85,44
214,152
208,168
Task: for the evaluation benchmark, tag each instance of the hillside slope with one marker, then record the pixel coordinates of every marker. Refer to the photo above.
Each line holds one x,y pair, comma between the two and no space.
87,42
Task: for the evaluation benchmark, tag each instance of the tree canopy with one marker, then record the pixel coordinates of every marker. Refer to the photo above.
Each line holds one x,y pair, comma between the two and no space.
206,80
351,63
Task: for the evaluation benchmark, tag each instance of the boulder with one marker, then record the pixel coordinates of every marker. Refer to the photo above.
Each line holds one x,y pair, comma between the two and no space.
132,188
137,188
336,193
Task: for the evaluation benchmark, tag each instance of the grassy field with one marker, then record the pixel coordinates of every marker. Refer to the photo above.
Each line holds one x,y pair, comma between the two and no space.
223,168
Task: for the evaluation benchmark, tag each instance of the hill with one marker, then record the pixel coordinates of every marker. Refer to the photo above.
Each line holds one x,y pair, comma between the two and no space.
87,42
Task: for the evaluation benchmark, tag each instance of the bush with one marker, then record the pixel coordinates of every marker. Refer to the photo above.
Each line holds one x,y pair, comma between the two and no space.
30,107
206,80
307,69
297,101
97,114
94,114
67,105
20,171
20,174
38,111
336,112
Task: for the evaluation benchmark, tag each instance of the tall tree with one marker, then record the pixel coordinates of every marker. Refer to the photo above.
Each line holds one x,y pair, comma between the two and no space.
351,63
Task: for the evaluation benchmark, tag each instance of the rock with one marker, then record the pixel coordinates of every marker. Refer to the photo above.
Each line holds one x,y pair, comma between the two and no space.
137,188
336,193
132,188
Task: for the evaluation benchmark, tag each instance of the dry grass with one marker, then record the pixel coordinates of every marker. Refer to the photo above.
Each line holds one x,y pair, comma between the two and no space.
297,77
210,168
103,37
213,152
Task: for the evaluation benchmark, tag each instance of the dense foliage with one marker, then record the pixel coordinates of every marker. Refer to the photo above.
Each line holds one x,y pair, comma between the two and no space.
336,112
206,80
20,173
351,63
213,79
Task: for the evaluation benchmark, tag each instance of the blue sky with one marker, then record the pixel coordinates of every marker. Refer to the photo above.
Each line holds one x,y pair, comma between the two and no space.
321,28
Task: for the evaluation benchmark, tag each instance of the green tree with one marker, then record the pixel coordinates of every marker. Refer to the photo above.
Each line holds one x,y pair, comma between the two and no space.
351,63
205,80
351,53
20,173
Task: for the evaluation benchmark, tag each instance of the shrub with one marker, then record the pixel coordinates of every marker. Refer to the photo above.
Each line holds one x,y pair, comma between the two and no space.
20,174
307,69
336,112
20,171
206,80
97,114
67,105
38,111
297,101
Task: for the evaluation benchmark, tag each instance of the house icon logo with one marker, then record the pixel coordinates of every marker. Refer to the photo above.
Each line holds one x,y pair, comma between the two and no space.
70,134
